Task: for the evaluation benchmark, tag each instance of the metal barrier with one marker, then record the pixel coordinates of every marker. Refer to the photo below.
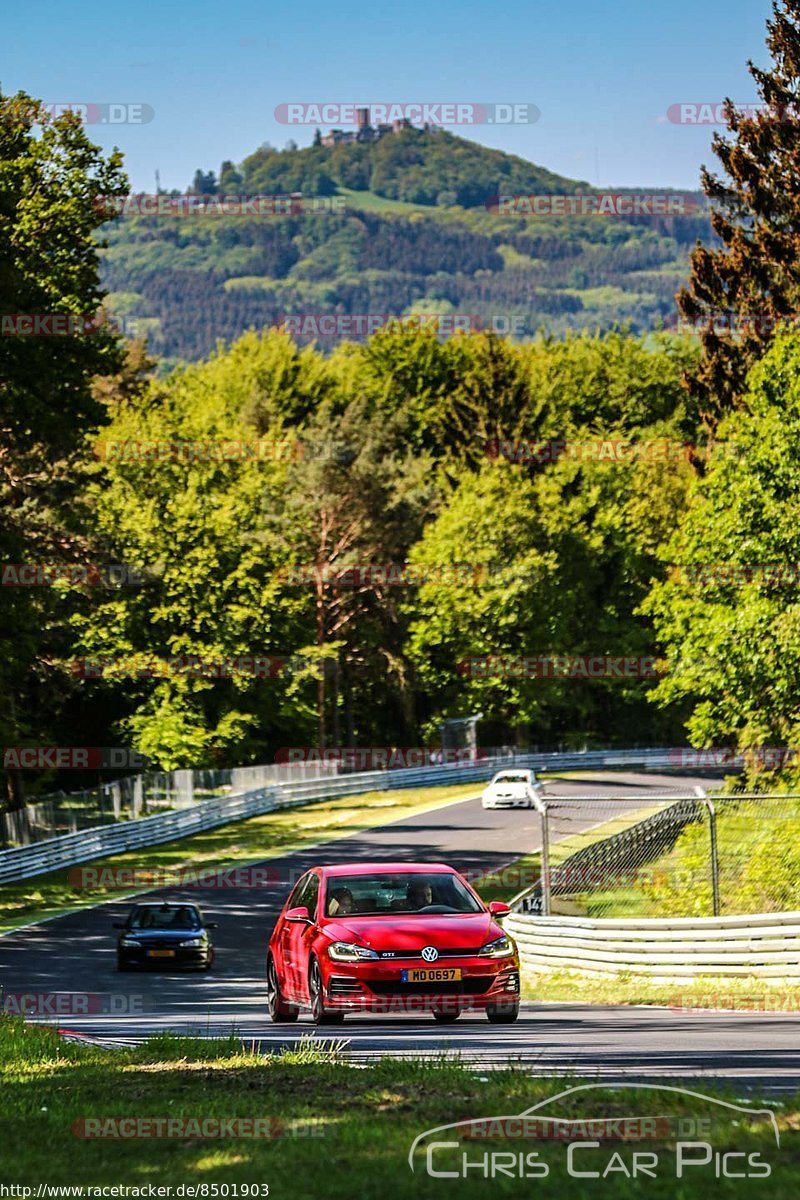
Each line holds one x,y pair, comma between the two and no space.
765,944
70,849
87,844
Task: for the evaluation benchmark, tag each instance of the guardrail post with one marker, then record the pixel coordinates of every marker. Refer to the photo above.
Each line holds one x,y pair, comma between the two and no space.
541,808
712,825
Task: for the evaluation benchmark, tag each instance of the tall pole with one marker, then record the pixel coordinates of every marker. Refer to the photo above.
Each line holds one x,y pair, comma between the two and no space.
541,808
712,827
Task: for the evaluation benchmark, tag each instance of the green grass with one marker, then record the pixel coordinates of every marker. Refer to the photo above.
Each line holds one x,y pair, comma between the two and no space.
525,871
759,867
370,202
710,992
238,844
341,1131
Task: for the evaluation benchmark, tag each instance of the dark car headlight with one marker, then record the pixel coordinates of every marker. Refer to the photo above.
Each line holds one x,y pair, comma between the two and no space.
128,941
195,942
349,952
500,948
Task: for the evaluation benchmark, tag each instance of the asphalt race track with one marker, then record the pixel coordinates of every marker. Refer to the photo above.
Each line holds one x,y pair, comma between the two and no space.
76,954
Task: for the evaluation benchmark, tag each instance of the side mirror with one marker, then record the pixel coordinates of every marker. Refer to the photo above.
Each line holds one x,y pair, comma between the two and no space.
211,925
499,909
298,914
118,925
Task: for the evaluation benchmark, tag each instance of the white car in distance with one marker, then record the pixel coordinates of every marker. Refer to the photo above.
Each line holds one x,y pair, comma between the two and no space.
512,789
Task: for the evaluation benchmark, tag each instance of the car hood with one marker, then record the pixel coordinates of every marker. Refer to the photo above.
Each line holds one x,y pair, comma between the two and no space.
399,932
508,789
169,935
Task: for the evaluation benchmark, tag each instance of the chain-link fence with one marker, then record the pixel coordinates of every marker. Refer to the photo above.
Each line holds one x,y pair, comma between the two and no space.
142,796
696,855
147,794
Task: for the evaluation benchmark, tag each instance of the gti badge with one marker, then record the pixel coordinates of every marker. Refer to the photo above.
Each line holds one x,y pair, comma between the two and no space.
430,954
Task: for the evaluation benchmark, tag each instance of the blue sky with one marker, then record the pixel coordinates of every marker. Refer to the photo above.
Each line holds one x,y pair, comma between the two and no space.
603,75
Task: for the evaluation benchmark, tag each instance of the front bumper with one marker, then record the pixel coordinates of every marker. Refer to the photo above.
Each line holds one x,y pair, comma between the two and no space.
377,988
182,956
508,802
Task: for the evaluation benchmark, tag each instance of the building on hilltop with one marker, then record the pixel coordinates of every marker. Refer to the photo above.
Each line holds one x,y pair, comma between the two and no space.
364,132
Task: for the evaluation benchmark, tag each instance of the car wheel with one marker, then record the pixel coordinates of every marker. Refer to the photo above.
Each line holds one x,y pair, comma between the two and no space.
122,966
279,1010
502,1014
320,1015
444,1017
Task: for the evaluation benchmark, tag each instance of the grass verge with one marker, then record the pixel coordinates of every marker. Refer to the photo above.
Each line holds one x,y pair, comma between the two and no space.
706,992
330,1130
238,844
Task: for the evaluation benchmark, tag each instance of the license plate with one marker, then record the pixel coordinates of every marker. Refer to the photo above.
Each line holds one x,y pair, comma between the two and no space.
431,975
160,953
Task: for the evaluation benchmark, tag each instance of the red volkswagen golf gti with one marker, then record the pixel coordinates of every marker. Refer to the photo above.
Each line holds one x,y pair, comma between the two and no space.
390,938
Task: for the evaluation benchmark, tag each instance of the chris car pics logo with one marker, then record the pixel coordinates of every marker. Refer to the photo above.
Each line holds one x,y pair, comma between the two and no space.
627,1131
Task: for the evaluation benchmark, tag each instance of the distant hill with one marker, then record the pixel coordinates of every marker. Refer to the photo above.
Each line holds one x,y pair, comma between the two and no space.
408,231
427,168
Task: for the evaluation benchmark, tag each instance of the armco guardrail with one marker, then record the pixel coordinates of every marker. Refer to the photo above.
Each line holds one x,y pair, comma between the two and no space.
69,849
88,844
766,945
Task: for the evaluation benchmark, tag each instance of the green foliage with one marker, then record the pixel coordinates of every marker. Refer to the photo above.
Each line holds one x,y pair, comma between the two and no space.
728,613
393,238
52,184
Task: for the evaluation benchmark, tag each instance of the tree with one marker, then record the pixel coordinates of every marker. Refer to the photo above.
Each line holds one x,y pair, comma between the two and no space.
740,292
54,192
204,183
191,521
317,137
230,178
354,499
727,613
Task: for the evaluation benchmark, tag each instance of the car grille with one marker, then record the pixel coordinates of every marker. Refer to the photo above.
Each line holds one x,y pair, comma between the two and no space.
475,985
469,952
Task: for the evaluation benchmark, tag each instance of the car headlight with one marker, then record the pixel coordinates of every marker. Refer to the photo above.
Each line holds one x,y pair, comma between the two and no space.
499,948
349,952
126,941
194,942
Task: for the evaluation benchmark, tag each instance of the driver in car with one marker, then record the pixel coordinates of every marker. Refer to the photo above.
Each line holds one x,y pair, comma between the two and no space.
340,903
420,894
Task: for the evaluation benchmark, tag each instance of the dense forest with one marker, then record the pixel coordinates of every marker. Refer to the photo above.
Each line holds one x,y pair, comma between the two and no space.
282,544
395,242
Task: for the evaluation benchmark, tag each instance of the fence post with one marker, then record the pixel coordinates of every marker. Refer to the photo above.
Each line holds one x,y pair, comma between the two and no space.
541,808
712,825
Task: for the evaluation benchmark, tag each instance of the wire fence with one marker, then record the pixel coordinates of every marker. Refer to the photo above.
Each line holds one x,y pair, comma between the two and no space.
693,856
147,794
142,796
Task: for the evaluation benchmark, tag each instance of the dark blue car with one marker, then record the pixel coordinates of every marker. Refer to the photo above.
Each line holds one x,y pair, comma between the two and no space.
165,935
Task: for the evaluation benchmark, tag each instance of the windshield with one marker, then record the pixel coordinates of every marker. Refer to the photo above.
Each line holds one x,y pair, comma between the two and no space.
406,892
184,917
511,779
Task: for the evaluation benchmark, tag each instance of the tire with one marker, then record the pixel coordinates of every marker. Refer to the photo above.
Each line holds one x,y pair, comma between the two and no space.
502,1014
445,1018
123,966
279,1011
320,1015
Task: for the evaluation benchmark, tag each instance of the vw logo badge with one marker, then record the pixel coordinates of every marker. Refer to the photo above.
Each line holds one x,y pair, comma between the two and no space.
430,954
